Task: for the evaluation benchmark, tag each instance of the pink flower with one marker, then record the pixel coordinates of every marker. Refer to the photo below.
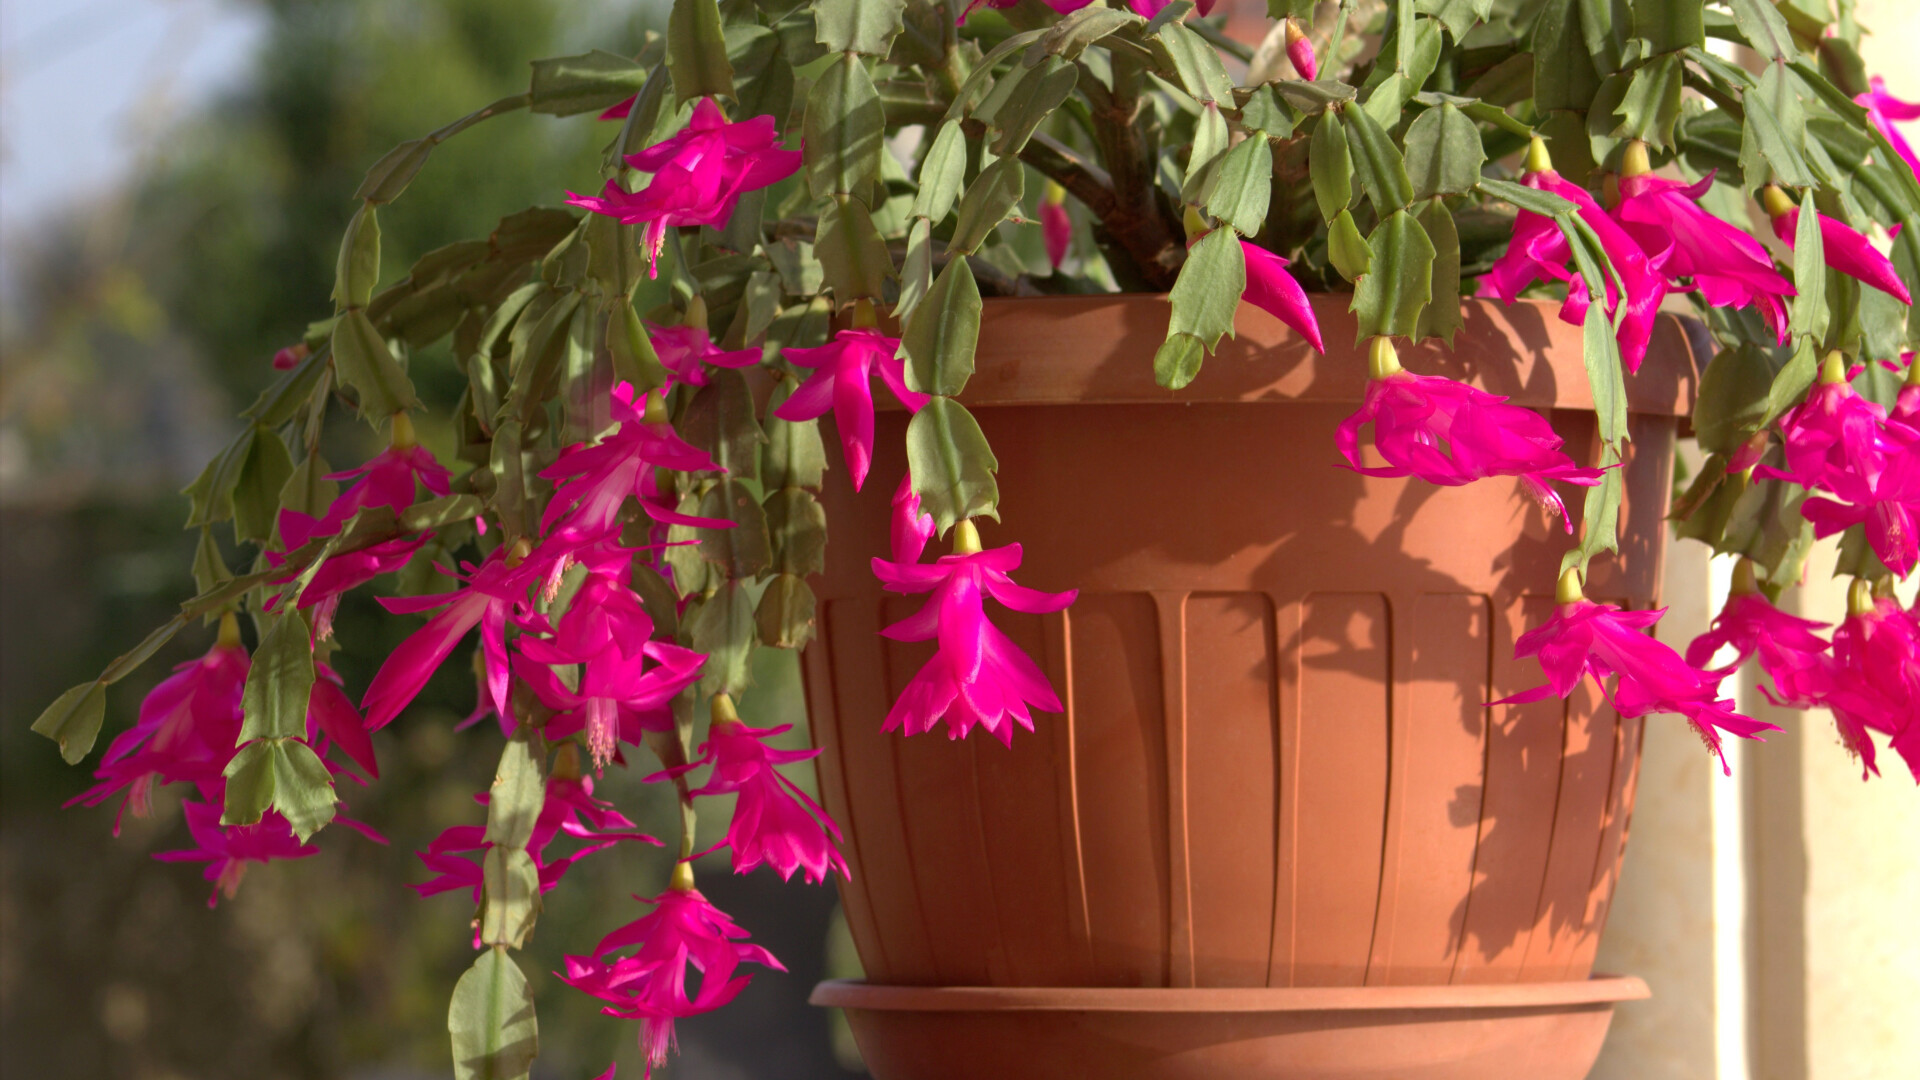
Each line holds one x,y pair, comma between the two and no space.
332,719
493,590
698,176
1584,638
340,573
1846,251
387,480
1728,267
1147,9
1876,684
651,985
1449,433
1791,653
1271,289
1882,110
1063,7
593,482
569,808
774,822
1056,229
912,526
186,731
1837,441
842,370
227,849
978,675
619,110
1300,52
686,350
1539,249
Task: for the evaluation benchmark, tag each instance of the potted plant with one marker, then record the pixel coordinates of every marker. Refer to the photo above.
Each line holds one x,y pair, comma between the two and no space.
1179,369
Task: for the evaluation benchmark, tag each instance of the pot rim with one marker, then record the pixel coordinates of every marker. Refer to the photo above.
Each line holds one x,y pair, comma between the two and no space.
1098,349
1597,990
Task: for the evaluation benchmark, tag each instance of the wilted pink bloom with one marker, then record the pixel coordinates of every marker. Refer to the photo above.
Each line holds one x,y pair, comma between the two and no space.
227,849
774,822
186,731
1728,267
1838,442
1539,249
686,350
493,590
651,985
1791,653
1449,433
1056,229
593,482
1271,289
332,719
842,369
569,808
1848,252
1300,52
1584,638
912,526
1876,685
978,675
1882,110
698,176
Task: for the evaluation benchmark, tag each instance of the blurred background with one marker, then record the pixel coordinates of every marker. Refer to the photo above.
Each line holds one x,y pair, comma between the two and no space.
174,179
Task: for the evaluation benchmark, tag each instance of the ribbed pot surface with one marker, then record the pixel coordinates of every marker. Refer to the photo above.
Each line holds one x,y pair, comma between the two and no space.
1275,768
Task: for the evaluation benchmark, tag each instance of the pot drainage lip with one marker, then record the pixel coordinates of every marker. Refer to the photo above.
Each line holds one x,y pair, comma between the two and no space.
1597,990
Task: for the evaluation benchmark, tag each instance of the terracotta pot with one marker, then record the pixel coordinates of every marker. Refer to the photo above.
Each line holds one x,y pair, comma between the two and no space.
1275,769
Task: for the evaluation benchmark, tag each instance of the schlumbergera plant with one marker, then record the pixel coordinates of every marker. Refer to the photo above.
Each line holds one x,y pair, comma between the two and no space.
623,502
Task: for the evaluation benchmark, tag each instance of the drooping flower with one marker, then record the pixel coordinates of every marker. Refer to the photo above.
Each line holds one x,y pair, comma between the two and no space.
228,849
699,175
186,730
1792,654
1449,433
1584,638
912,527
494,589
1300,52
1842,248
1056,228
1540,250
390,479
651,984
340,573
842,370
332,720
1876,684
1273,290
1838,442
774,822
593,482
1724,264
1882,110
978,676
687,350
619,110
1063,7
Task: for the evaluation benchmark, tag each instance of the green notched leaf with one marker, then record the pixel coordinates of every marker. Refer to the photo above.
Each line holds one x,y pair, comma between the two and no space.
495,1034
73,720
942,172
795,456
940,337
697,51
1442,317
1377,162
1760,23
363,362
1809,312
951,464
589,82
1399,281
1178,360
797,528
256,493
1732,403
1602,356
724,629
995,192
1669,25
393,172
357,270
1444,154
853,256
785,616
509,897
845,125
1207,293
861,26
302,786
517,794
279,681
1241,187
1346,248
1331,166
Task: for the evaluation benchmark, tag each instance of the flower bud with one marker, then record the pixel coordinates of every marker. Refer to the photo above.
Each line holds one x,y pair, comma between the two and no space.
1300,52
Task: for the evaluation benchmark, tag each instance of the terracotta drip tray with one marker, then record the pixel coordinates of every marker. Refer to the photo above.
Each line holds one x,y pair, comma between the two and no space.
1522,1031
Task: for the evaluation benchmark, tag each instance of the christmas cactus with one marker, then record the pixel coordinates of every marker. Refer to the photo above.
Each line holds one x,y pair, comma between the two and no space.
804,198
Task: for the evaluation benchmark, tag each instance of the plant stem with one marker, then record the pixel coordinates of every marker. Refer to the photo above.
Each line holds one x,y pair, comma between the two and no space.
1136,221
